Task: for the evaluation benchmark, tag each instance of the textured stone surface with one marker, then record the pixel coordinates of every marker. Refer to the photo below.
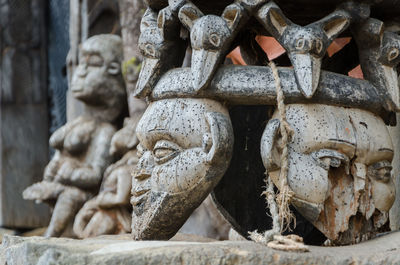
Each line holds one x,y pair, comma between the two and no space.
188,250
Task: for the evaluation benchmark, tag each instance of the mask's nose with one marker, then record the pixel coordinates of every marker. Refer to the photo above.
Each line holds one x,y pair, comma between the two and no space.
81,70
144,166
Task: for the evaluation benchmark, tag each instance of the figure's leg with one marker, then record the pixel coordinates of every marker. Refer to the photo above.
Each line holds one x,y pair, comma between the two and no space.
84,216
100,224
67,205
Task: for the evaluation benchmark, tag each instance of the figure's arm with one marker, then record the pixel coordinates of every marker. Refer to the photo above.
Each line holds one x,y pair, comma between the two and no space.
52,167
43,191
89,174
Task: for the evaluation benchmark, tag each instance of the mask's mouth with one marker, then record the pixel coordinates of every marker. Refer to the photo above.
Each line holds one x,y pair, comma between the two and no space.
76,88
140,190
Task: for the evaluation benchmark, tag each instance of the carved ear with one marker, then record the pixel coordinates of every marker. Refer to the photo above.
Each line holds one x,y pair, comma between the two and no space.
335,23
232,15
268,142
163,21
273,19
188,14
221,138
149,20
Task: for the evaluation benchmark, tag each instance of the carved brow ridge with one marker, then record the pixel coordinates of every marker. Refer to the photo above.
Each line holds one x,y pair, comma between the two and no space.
386,149
158,130
342,141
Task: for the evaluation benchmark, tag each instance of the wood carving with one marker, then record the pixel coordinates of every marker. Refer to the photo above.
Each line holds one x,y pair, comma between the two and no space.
82,145
340,155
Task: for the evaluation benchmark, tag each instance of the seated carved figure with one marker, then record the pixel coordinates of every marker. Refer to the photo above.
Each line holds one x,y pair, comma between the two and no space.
82,145
339,168
185,148
110,211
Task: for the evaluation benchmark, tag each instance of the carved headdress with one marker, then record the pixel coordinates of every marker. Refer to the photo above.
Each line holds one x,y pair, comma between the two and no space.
316,89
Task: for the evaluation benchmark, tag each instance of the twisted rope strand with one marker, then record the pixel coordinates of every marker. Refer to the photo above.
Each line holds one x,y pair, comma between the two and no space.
285,194
278,205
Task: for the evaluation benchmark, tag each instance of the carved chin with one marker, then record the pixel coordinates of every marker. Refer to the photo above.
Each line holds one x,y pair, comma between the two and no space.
160,215
78,91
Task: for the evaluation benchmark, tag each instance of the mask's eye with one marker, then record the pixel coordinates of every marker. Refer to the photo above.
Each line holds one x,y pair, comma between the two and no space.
393,54
318,46
300,43
215,39
381,171
150,50
330,158
164,151
95,60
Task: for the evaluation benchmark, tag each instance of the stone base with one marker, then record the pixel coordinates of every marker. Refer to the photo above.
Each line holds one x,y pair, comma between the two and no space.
185,249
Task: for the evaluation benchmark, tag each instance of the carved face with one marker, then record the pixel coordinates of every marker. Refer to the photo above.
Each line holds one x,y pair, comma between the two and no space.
339,165
185,148
98,78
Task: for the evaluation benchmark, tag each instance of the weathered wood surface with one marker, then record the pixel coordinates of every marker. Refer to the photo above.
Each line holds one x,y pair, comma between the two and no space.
23,110
254,85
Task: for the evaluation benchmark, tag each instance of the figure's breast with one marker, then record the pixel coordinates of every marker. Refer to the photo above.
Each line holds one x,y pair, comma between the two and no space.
78,138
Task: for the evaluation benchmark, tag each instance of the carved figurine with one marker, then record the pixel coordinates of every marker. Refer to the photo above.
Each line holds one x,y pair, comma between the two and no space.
211,36
82,145
306,46
379,53
339,168
110,211
185,148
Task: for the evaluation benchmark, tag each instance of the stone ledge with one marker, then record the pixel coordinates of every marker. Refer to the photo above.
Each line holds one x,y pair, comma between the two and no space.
187,250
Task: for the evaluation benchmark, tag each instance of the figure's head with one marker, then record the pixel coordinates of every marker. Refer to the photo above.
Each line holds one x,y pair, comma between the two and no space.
185,148
98,80
336,156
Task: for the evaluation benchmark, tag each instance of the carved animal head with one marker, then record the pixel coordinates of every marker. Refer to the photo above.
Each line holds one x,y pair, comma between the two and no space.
305,45
161,47
211,37
390,49
379,52
389,56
